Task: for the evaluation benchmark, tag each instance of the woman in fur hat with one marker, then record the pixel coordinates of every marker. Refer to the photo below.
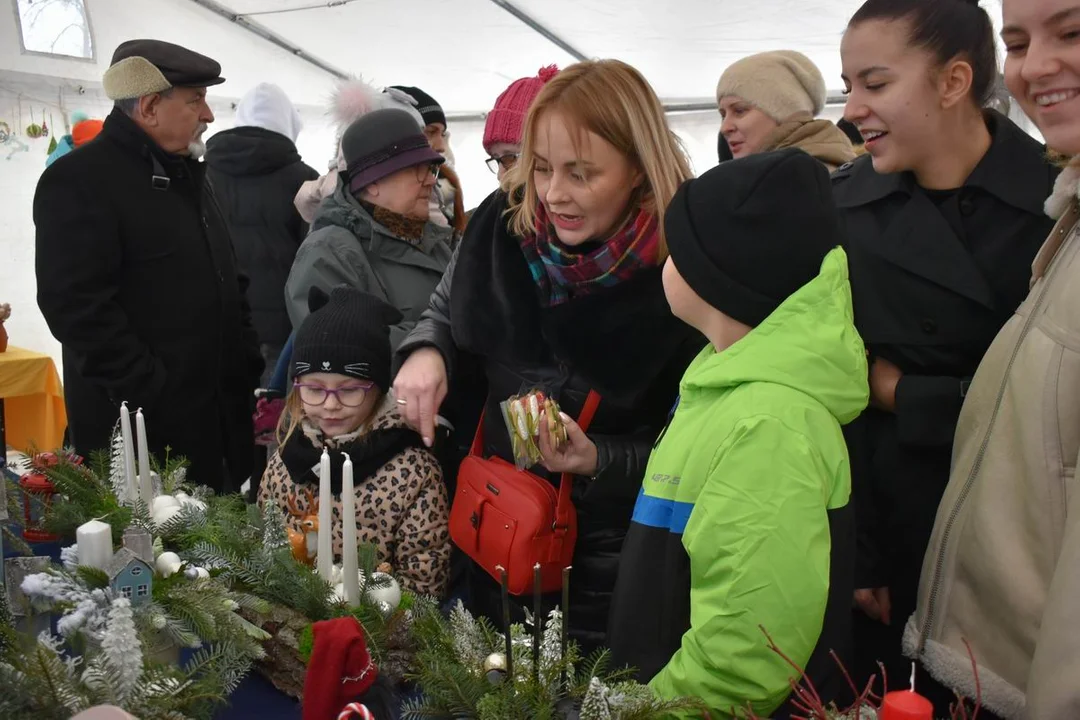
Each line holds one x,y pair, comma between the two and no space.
769,101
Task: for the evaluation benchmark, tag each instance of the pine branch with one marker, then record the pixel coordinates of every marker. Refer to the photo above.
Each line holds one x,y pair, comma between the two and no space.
421,708
54,681
92,577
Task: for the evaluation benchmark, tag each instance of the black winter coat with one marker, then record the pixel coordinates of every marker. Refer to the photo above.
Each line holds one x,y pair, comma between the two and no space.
622,342
137,280
934,276
256,174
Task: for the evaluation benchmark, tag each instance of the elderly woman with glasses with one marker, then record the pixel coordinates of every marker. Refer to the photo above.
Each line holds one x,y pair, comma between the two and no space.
504,125
374,233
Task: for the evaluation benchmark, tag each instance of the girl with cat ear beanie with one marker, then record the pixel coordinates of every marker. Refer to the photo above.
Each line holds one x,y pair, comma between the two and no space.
506,120
781,83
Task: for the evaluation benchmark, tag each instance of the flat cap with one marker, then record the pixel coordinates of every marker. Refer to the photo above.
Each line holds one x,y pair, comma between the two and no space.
145,67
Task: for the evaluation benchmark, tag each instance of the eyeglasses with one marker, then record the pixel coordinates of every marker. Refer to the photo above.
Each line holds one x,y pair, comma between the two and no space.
349,396
423,172
506,162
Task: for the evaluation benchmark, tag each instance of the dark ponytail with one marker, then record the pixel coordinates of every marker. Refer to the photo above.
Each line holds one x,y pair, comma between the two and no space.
948,29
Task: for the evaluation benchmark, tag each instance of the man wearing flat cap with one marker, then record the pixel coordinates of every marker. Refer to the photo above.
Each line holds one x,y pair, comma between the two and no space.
137,277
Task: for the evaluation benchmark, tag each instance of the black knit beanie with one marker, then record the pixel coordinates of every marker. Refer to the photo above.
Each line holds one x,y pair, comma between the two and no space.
429,109
750,232
348,333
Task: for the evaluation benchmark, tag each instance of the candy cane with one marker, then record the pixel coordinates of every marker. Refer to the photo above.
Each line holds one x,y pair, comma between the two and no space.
355,709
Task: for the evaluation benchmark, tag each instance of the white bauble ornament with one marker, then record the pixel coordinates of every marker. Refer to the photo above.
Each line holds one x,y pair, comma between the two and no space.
163,501
202,573
167,563
165,514
159,622
191,572
384,588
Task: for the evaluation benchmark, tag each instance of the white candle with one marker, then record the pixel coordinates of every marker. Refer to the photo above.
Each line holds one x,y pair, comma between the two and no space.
146,483
325,556
129,453
350,564
94,540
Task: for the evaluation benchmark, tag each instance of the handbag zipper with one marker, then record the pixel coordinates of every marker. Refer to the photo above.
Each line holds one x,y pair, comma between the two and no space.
939,565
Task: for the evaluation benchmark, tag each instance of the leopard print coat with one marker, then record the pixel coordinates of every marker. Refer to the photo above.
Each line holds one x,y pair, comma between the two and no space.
402,509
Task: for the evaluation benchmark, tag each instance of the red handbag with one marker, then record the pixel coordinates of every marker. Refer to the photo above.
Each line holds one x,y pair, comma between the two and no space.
503,517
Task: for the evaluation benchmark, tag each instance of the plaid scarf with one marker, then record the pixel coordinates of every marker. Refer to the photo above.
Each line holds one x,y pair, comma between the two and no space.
562,275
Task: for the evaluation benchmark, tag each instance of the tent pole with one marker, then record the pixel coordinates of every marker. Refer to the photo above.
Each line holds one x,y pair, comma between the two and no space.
270,36
528,20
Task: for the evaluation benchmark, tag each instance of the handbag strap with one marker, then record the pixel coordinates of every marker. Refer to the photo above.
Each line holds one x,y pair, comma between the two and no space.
563,507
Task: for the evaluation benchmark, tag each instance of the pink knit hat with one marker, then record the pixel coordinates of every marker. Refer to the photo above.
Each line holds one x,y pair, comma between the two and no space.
506,120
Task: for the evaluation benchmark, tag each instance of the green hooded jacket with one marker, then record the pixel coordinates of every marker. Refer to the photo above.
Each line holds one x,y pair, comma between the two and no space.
733,520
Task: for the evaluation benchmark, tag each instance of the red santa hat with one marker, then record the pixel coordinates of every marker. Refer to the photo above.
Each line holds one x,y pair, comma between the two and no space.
340,669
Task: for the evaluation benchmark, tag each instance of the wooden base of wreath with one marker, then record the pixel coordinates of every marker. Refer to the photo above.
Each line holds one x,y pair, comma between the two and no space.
283,665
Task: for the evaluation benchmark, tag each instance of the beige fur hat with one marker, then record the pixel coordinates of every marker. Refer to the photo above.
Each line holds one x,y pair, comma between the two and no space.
780,83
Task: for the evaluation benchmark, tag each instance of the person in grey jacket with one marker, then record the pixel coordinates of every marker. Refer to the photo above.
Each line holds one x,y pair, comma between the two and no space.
374,232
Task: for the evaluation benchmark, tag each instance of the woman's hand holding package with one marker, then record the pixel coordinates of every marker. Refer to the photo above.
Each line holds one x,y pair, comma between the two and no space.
577,455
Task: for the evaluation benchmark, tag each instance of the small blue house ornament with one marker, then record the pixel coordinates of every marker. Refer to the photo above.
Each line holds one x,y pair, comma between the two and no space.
131,577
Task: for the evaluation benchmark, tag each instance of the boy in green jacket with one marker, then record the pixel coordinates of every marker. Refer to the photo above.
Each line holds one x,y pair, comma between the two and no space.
743,519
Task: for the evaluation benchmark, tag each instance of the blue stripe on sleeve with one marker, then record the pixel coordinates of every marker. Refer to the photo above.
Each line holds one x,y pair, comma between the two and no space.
660,513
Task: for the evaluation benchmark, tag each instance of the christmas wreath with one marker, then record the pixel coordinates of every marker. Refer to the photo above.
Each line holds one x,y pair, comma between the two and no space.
216,577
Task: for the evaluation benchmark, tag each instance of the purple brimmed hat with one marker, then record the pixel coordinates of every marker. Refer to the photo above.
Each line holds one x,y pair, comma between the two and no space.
381,143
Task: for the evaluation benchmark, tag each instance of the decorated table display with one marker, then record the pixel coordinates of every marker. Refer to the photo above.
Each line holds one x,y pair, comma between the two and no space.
155,563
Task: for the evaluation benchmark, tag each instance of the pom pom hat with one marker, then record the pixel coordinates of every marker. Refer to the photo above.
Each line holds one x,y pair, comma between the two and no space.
506,121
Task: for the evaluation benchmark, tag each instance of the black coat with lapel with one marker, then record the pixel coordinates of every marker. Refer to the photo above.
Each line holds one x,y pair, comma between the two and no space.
930,300
137,280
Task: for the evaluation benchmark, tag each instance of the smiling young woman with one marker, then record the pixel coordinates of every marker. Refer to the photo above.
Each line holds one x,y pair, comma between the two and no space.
943,218
1003,568
557,286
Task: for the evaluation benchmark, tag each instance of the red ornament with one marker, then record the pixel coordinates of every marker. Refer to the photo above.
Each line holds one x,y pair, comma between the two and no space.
38,492
906,705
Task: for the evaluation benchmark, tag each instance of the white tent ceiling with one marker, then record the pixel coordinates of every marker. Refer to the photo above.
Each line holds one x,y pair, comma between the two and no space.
465,52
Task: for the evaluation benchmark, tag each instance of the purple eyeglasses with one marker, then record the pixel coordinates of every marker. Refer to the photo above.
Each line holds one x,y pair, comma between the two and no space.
349,395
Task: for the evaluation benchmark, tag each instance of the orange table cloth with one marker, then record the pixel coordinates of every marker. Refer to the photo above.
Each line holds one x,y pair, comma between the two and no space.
34,414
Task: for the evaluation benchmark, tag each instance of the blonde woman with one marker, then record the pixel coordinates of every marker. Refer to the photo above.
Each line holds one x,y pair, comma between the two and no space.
557,286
